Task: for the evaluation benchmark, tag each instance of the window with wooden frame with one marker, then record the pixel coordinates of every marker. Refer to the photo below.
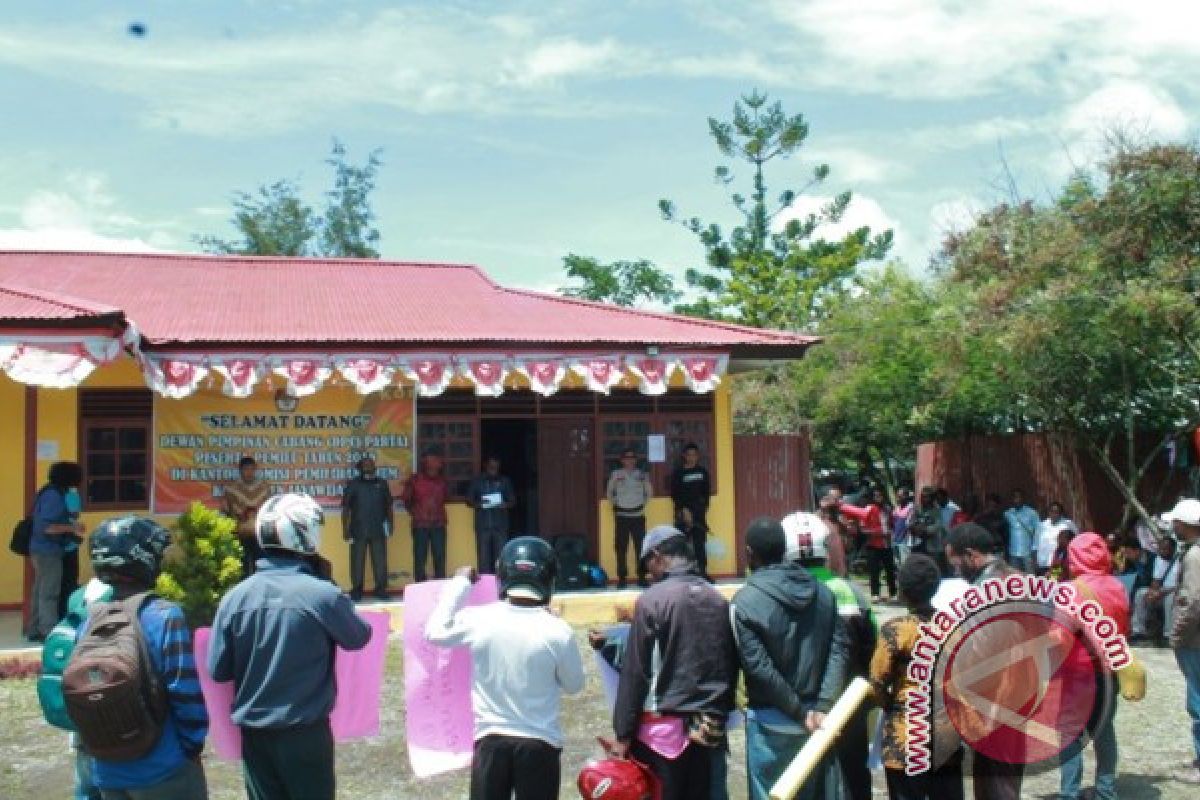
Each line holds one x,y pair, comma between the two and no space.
682,430
618,434
115,448
456,438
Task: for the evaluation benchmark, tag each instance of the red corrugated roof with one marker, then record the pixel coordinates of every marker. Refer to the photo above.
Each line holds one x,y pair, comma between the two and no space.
184,299
20,303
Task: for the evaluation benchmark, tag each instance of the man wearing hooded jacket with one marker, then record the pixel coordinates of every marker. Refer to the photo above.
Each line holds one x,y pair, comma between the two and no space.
1091,569
794,651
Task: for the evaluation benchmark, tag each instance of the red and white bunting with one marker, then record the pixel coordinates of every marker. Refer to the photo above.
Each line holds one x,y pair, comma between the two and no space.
600,374
545,375
487,375
51,366
239,376
368,375
175,378
653,374
702,373
431,376
305,376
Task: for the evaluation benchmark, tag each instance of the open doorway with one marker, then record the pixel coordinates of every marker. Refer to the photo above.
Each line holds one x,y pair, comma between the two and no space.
514,442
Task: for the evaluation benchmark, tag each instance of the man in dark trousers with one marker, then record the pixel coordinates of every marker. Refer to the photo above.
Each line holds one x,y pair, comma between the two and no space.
367,522
274,636
971,552
491,495
629,491
795,655
691,492
681,662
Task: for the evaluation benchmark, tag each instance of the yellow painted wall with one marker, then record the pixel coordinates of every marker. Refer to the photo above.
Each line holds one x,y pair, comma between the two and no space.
12,484
58,421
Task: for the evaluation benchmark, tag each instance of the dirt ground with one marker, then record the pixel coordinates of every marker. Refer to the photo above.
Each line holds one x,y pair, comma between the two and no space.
35,762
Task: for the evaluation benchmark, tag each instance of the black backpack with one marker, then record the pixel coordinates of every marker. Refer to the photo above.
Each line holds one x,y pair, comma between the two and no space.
573,568
113,693
22,533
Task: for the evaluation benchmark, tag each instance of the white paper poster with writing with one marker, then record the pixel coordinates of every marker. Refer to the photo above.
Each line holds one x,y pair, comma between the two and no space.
437,684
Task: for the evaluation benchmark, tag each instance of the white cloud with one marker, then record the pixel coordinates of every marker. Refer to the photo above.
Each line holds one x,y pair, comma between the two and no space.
423,59
567,58
81,215
1128,106
852,166
949,49
862,211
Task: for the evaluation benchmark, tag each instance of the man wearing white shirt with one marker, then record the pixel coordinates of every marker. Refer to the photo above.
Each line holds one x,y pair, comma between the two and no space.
1048,532
1023,525
524,658
1160,592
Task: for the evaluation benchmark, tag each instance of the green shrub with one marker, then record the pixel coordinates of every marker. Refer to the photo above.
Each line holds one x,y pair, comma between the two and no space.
204,563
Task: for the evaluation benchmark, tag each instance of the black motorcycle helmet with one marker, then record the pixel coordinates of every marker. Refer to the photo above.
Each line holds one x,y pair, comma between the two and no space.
527,569
129,550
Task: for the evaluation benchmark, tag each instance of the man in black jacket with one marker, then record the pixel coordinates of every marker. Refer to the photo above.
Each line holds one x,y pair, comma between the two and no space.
677,682
795,653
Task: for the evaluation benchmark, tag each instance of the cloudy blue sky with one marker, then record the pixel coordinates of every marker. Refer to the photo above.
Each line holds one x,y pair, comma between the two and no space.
514,133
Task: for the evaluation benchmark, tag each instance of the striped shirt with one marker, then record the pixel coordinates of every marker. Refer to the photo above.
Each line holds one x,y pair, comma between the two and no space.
170,644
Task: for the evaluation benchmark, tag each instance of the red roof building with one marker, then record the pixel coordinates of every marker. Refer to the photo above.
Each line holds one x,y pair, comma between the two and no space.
157,352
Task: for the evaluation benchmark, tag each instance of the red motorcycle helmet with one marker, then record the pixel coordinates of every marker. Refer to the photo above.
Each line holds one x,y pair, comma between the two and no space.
617,779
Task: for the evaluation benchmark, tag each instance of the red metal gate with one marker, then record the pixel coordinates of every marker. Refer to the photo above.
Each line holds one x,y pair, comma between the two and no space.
772,477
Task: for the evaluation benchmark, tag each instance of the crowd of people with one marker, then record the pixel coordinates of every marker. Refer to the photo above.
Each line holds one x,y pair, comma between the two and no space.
794,635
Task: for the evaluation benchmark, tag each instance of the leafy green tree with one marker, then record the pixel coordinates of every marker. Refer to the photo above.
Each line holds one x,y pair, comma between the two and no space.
275,220
765,271
272,221
206,563
348,228
623,283
1091,305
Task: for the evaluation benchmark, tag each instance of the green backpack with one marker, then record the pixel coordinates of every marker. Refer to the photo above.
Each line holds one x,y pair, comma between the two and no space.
56,652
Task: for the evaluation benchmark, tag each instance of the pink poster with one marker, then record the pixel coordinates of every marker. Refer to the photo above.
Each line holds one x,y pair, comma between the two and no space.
437,684
355,711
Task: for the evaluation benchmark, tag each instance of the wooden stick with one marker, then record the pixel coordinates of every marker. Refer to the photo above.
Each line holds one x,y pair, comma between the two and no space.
820,741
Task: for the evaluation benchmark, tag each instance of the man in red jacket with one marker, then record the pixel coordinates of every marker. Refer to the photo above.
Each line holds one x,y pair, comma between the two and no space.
872,521
1091,566
424,497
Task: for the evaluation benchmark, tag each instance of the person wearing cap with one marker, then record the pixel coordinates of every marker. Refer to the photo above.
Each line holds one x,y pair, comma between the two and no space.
629,490
808,539
1185,630
524,659
794,652
424,495
677,681
274,637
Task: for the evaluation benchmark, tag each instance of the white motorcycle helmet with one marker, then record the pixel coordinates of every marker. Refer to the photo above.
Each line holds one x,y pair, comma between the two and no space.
290,522
806,536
